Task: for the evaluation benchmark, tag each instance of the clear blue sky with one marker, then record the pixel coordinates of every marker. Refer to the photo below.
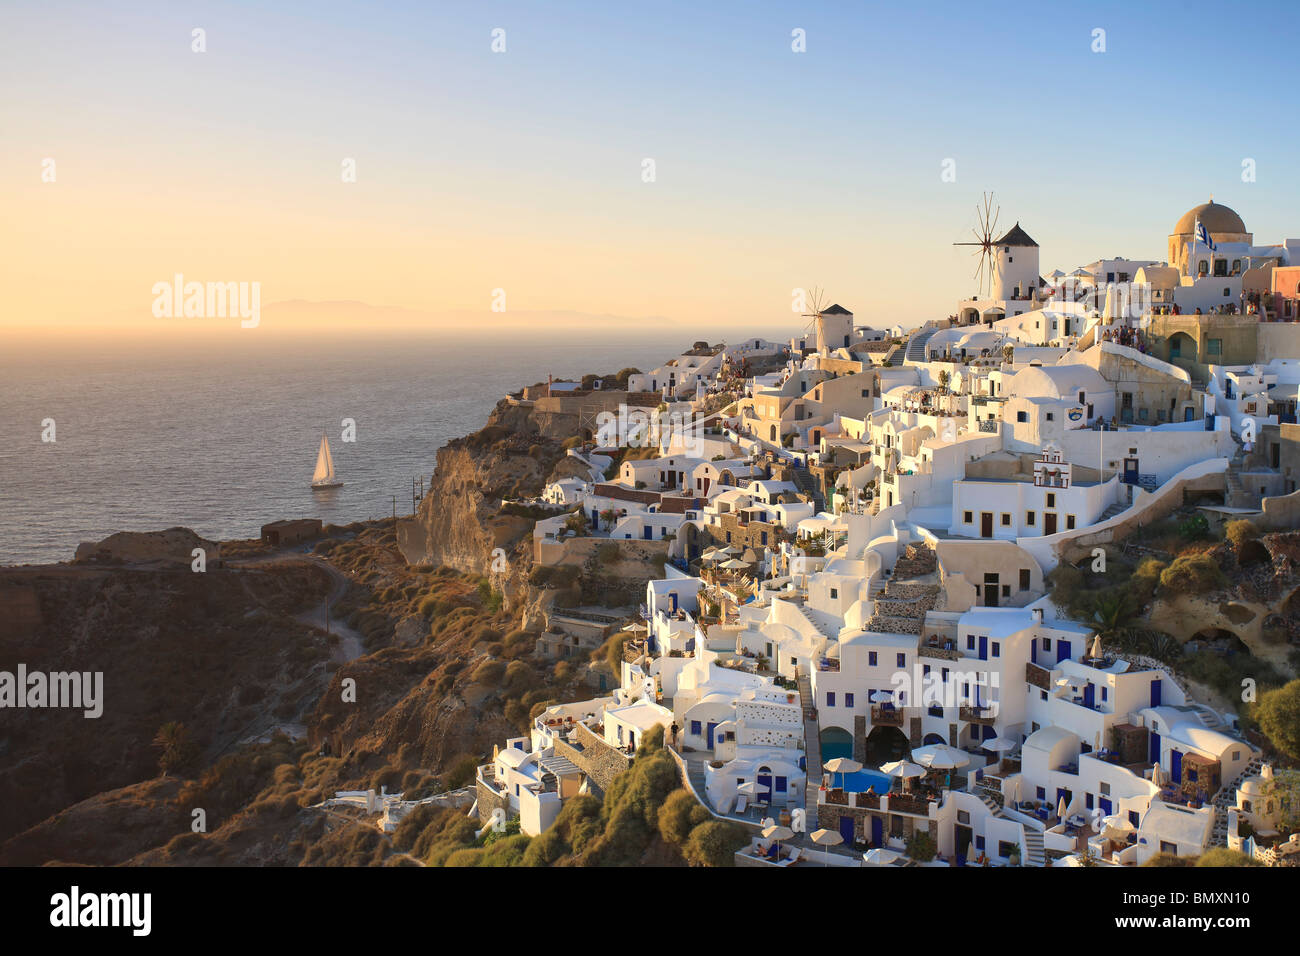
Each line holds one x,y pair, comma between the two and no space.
774,169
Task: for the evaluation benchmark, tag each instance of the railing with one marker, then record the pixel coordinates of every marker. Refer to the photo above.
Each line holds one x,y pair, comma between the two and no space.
977,715
938,653
909,803
891,717
1039,677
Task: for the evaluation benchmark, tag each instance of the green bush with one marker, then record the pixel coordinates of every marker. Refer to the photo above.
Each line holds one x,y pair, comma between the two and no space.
1194,528
1278,714
462,772
1192,574
714,843
1222,856
1240,532
921,846
490,673
680,814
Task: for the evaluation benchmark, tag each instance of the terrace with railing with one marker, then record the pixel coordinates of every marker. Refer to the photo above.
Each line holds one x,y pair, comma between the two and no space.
882,716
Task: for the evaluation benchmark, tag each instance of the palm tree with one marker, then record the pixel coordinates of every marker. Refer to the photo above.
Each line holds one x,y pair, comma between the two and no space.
1111,615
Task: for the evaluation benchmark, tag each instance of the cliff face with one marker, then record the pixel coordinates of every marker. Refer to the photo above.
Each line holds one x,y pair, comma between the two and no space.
459,523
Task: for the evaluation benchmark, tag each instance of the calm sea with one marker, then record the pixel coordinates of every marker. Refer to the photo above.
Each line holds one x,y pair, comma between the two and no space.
222,438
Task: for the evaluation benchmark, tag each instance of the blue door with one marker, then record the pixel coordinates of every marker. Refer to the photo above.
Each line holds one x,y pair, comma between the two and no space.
764,781
1154,755
846,829
1062,651
1176,766
1155,693
877,831
712,727
1033,651
646,532
984,648
1103,804
1089,694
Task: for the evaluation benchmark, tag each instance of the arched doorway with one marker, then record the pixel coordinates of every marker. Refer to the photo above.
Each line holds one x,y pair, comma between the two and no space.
836,742
885,744
1182,348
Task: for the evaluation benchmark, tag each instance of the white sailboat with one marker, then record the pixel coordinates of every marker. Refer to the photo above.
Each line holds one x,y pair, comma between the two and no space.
324,476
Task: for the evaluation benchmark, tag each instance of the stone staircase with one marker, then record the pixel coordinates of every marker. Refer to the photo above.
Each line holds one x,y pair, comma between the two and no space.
804,481
1117,508
1035,855
1227,798
812,747
1234,494
821,623
915,351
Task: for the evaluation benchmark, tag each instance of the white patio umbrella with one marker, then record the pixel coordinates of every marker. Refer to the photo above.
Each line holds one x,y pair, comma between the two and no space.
777,833
880,856
826,838
734,565
940,757
882,697
751,788
902,769
1115,823
727,550
999,744
842,765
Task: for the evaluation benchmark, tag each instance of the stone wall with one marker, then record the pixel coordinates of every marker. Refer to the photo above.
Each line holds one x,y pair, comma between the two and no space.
828,818
489,800
597,759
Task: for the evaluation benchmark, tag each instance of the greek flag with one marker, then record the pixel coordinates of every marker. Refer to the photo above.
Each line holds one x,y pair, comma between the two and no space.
1204,236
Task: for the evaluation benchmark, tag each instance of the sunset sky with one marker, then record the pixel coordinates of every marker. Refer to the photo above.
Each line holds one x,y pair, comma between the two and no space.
522,170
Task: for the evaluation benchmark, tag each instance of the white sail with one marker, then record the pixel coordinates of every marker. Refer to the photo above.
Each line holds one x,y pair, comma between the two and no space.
324,464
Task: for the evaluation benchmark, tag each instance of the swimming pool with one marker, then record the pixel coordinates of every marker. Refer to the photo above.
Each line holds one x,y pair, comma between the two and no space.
860,780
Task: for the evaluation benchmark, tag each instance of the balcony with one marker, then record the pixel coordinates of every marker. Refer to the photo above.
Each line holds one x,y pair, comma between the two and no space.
1039,677
939,653
977,715
886,717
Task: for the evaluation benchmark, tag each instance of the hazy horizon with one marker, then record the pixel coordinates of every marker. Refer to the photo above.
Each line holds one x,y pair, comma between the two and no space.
522,173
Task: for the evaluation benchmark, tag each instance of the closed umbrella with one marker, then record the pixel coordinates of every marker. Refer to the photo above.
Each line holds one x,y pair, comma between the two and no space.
826,838
1157,775
1060,807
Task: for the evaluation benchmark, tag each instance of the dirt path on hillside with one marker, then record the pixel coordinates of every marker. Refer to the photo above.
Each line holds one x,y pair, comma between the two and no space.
351,644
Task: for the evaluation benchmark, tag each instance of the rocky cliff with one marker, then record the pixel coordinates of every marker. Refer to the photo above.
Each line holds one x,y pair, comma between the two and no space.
460,524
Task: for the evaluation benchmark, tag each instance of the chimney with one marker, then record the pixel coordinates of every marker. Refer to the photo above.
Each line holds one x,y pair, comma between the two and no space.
1038,615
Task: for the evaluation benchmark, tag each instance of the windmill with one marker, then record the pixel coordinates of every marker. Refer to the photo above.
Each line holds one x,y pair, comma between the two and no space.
985,231
816,324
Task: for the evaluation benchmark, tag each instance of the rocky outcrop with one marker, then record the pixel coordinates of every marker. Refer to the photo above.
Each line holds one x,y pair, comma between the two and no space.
173,546
460,524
